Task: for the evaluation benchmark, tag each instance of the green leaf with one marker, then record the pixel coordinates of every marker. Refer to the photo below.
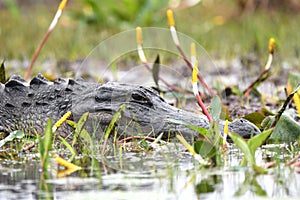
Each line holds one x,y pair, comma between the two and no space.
267,122
286,130
215,108
258,140
266,112
71,123
13,135
285,104
256,118
86,136
71,149
243,146
293,80
46,145
2,73
79,127
113,121
205,149
202,131
155,70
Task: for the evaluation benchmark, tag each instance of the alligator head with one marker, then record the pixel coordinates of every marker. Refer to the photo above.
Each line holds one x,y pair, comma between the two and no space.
146,113
28,106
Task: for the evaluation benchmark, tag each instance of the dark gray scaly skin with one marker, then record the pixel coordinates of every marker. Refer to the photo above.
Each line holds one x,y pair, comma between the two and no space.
27,107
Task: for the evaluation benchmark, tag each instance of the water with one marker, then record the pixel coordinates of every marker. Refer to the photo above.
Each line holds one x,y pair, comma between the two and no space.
167,172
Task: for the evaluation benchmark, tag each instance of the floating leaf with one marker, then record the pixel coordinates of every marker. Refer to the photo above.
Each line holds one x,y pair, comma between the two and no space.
155,70
13,135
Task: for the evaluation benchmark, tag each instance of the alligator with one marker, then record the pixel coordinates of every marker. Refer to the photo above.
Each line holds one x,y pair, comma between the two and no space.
27,106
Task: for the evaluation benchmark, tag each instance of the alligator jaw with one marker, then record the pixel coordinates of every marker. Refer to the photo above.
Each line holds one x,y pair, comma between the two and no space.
171,121
179,122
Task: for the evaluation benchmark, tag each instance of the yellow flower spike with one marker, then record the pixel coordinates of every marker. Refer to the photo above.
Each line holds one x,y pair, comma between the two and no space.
61,121
297,102
195,78
139,36
193,53
59,11
62,4
139,41
170,17
271,45
225,133
172,27
193,49
271,52
195,72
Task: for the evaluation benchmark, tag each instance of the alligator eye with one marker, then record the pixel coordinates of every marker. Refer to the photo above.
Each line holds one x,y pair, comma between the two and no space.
138,98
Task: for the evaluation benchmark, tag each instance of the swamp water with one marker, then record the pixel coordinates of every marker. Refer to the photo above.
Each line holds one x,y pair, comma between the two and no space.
167,172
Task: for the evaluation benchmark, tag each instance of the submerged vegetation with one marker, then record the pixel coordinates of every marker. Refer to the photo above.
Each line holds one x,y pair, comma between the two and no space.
83,152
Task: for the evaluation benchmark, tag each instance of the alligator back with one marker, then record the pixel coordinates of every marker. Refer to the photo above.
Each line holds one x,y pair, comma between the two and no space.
27,107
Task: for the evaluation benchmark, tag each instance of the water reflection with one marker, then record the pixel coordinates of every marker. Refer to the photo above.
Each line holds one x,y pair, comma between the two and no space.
152,175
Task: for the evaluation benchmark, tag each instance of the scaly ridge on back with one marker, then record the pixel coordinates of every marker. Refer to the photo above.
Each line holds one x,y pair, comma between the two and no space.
27,107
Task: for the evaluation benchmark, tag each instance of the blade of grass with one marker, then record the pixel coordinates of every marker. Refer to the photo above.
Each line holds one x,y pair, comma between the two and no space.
79,127
45,145
191,150
111,125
